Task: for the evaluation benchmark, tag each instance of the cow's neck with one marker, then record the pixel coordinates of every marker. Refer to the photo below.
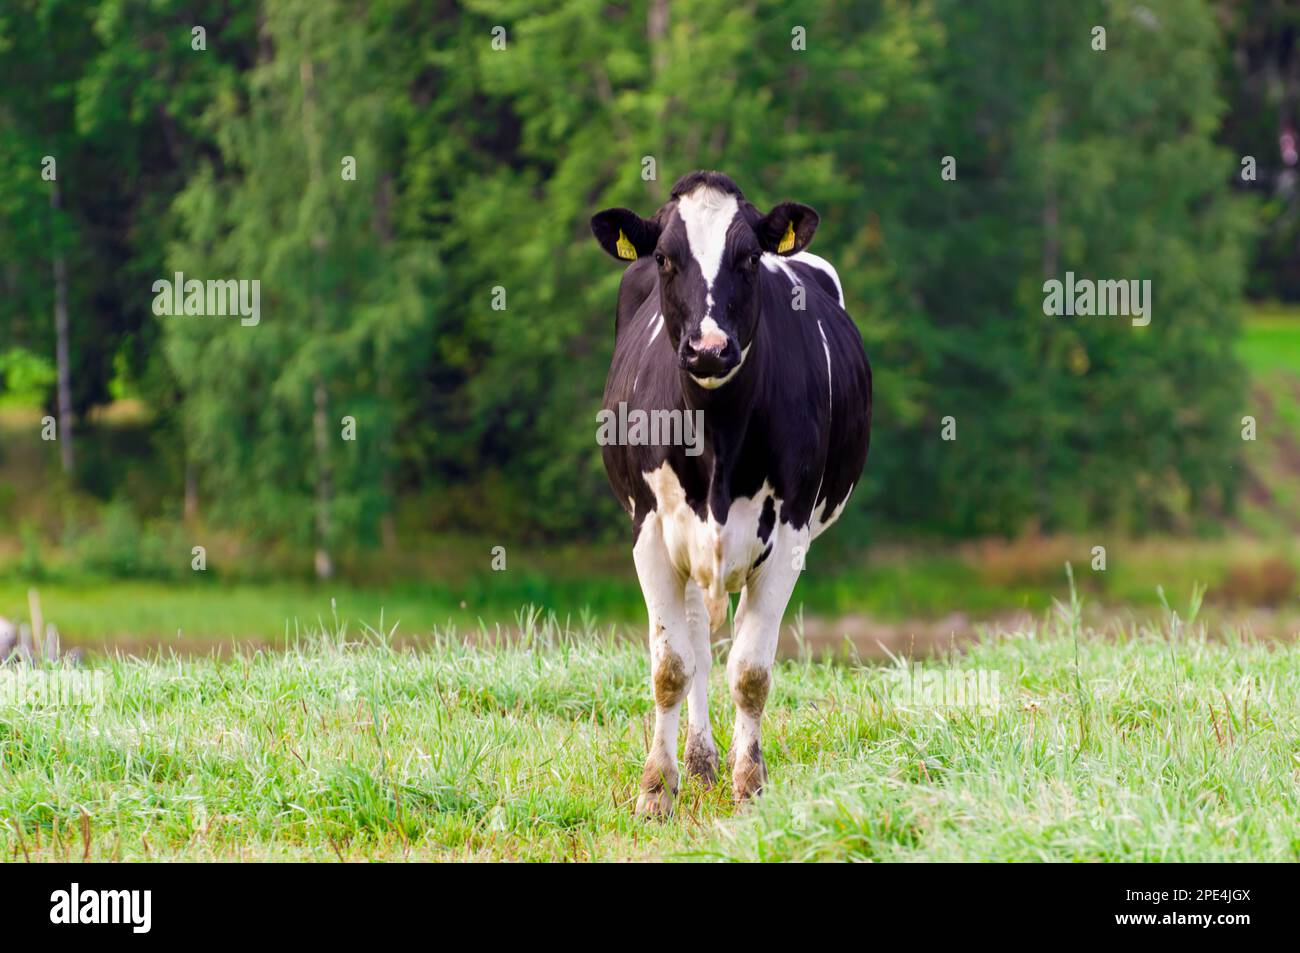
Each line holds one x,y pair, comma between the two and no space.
727,412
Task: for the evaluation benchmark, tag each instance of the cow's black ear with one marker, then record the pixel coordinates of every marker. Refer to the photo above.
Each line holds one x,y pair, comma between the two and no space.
624,234
787,229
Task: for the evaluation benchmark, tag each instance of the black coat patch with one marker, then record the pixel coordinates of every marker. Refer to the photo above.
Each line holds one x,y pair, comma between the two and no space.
766,520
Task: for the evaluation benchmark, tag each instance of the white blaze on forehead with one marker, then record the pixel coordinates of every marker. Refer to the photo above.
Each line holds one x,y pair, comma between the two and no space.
707,214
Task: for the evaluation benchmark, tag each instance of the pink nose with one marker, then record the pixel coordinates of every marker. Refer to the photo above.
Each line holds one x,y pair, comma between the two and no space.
711,340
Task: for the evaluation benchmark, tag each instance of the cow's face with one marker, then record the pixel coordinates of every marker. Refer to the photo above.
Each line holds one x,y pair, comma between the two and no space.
707,244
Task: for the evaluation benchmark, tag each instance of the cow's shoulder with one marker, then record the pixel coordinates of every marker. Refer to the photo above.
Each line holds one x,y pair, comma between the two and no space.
805,268
821,271
639,282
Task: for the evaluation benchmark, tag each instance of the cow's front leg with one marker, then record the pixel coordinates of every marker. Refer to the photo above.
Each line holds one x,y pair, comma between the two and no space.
672,664
701,752
749,667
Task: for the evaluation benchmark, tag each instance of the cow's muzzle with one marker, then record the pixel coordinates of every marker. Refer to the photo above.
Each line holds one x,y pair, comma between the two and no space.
714,356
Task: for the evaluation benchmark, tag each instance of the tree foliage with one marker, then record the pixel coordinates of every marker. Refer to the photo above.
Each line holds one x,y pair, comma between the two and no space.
486,132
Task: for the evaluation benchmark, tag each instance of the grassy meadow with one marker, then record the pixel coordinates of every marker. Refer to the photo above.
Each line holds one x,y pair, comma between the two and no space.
1150,743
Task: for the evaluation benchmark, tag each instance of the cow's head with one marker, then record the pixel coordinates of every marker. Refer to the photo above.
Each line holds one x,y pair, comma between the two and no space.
707,243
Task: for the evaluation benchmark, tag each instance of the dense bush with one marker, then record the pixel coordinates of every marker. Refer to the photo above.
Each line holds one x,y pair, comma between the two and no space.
121,547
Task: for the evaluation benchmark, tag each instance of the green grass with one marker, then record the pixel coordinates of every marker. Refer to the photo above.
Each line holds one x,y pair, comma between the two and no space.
1270,339
1270,349
95,612
1140,745
139,613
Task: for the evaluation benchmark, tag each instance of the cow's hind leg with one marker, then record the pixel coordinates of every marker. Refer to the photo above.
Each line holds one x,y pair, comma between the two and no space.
749,667
701,752
672,664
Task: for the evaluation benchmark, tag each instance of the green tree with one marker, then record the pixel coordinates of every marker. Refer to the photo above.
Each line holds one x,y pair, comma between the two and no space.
478,163
341,304
1101,163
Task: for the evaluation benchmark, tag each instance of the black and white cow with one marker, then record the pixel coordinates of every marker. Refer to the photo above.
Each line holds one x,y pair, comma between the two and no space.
722,311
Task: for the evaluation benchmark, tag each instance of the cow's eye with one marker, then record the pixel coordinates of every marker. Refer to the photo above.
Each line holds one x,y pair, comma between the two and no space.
754,259
661,260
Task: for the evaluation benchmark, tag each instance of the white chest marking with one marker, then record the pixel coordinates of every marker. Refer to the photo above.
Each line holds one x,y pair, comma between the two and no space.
716,556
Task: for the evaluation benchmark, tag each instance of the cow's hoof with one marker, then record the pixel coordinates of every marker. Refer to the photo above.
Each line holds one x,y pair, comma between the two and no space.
702,763
658,788
748,773
655,804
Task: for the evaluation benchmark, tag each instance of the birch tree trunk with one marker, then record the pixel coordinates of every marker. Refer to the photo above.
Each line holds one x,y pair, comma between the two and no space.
324,487
67,457
191,491
384,234
320,421
656,30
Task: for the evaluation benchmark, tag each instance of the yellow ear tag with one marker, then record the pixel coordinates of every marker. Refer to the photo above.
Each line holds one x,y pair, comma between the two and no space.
624,247
787,240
